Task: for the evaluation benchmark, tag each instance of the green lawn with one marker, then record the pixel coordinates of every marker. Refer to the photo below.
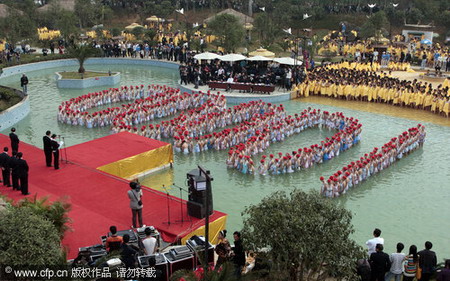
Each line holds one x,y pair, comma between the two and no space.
87,74
30,58
8,98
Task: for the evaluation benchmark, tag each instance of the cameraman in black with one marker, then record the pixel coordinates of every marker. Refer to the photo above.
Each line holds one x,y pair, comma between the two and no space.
135,196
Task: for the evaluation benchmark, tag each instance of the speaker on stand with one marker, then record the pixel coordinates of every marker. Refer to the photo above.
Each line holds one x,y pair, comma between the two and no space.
197,195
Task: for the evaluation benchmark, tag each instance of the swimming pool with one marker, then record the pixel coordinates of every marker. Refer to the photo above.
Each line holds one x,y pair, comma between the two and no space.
409,201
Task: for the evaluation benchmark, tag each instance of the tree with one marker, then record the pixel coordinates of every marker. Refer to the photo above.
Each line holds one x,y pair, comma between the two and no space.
229,31
375,26
195,45
266,29
444,19
150,34
17,26
396,16
367,30
82,53
137,32
314,44
379,20
307,236
414,15
66,23
115,31
55,212
28,239
89,12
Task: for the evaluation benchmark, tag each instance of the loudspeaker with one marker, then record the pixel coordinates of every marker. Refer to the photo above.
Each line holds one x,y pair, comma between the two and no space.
197,210
200,197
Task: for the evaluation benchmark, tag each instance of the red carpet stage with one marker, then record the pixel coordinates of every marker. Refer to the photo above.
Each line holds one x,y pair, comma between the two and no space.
124,155
99,199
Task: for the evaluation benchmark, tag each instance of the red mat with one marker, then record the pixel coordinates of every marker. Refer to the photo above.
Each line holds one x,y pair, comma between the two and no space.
99,200
112,148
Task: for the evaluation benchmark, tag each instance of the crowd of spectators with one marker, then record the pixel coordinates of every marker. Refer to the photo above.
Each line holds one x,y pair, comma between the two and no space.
241,72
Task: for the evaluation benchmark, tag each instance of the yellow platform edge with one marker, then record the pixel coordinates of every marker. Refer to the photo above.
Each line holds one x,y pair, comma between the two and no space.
141,163
214,228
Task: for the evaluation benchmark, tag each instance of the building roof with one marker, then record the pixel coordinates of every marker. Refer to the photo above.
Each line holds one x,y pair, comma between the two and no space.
243,18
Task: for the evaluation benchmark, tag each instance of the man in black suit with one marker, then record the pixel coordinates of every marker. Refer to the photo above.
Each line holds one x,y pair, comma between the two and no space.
379,264
22,167
48,148
54,145
427,261
24,83
4,165
14,140
239,254
14,171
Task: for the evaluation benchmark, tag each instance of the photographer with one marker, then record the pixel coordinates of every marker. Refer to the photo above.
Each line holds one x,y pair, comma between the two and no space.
135,196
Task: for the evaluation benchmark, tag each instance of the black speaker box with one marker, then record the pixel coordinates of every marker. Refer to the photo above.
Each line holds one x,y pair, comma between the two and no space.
197,210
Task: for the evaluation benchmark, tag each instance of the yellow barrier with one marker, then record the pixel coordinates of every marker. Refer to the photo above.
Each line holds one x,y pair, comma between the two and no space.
214,228
132,166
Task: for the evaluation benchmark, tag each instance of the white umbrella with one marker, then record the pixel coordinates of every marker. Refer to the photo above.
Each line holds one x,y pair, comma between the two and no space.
232,57
288,61
259,58
207,56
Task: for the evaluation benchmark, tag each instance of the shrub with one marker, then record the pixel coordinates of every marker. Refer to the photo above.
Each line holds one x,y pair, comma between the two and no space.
8,98
55,212
28,239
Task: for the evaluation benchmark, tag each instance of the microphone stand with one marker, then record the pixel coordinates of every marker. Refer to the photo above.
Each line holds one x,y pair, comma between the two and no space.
181,203
168,205
63,148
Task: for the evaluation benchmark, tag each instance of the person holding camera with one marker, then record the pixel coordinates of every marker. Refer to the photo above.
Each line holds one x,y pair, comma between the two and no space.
135,196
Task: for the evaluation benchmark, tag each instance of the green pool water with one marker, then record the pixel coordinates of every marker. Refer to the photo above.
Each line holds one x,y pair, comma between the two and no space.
409,202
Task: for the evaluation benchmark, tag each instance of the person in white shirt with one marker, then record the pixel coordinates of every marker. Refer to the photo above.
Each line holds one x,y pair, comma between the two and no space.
372,243
288,79
397,260
221,71
375,59
149,242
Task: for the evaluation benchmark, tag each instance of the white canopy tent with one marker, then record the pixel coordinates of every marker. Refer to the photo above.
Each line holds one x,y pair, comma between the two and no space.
207,56
259,58
232,57
288,61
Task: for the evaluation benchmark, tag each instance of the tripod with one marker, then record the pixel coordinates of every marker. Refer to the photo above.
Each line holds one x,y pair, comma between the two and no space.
181,203
168,205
